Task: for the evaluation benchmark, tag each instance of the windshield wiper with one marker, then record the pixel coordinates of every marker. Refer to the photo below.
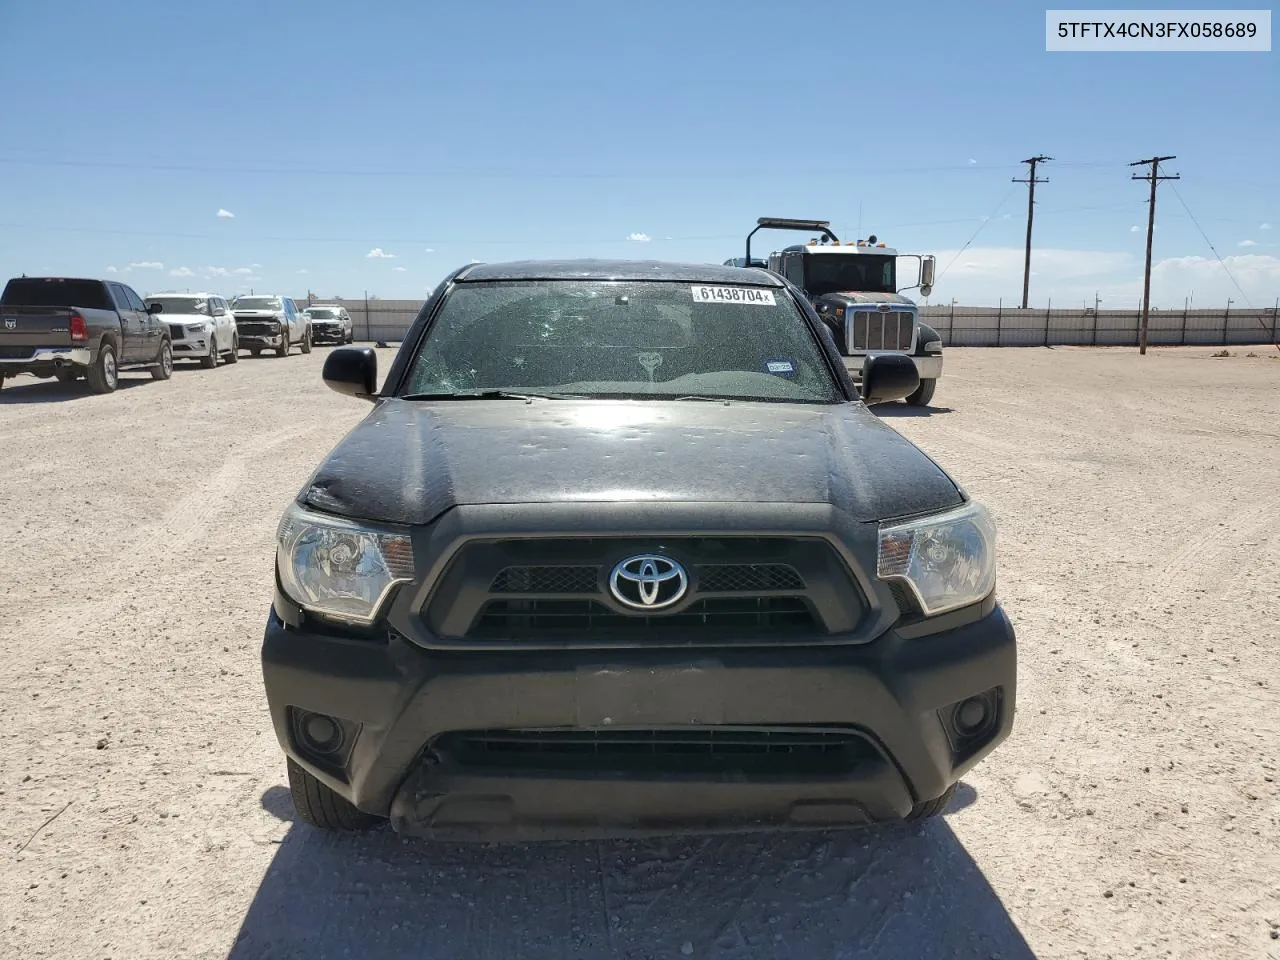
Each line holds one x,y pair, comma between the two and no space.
707,399
488,395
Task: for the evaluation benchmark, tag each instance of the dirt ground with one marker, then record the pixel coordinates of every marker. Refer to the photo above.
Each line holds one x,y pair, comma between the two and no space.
1135,812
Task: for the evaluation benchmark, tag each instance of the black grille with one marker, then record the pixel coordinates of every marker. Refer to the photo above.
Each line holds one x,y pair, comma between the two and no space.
177,332
743,577
777,751
256,329
874,330
724,618
574,579
712,578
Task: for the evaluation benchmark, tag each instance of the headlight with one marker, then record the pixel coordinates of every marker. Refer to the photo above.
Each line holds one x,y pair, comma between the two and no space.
933,346
195,328
948,560
340,568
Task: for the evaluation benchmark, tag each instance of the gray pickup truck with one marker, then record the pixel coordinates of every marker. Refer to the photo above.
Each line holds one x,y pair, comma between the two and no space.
69,328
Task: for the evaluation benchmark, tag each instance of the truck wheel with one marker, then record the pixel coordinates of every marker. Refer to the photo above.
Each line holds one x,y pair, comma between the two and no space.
931,808
211,360
255,351
66,375
102,374
283,349
163,368
306,341
319,806
234,355
923,394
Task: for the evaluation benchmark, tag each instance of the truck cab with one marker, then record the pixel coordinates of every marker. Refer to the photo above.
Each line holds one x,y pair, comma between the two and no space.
854,287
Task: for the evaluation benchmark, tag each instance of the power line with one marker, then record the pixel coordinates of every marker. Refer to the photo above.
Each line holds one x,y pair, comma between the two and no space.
985,221
1220,260
1031,182
1154,177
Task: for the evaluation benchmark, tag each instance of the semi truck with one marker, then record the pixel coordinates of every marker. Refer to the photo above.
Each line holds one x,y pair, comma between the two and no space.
854,287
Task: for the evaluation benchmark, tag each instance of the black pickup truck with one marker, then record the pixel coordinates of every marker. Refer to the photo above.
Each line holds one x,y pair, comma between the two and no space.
70,328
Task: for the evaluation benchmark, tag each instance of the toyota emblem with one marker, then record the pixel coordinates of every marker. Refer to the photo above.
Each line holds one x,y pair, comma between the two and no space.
648,582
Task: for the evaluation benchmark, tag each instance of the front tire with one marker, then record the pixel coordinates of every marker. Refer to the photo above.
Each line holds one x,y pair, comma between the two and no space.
306,341
923,393
163,368
211,360
932,808
255,351
234,355
283,349
102,374
319,806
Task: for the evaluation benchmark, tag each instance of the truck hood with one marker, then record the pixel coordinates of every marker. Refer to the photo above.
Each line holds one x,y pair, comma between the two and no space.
410,461
257,314
184,318
858,296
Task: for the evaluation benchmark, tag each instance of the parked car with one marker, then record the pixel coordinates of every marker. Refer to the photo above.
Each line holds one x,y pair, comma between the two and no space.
330,324
200,325
620,548
270,322
69,328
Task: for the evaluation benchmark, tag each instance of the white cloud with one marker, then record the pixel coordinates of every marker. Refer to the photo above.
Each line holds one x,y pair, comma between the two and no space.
430,250
225,214
1264,226
1247,243
303,270
639,237
377,253
182,272
399,269
983,275
147,265
243,271
216,272
256,266
1135,228
112,270
971,160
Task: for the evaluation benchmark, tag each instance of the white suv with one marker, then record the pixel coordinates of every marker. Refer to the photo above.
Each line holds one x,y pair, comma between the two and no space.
201,326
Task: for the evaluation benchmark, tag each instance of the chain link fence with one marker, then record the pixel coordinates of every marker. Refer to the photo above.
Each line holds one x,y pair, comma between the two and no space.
386,321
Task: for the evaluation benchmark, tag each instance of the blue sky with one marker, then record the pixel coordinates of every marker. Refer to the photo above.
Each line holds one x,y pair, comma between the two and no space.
442,133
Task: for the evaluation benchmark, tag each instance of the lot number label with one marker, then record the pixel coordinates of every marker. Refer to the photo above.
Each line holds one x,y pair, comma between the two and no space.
747,295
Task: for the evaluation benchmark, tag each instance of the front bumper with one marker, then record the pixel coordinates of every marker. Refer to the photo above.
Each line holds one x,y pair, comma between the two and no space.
397,700
248,341
328,334
195,345
928,367
43,361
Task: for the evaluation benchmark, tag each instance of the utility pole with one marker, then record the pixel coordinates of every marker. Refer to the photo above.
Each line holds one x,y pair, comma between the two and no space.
1031,181
1155,177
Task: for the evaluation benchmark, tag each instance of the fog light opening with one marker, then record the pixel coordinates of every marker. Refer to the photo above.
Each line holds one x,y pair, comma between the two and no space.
322,734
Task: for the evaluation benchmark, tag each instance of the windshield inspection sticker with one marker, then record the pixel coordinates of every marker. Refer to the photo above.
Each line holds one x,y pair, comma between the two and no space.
781,368
748,295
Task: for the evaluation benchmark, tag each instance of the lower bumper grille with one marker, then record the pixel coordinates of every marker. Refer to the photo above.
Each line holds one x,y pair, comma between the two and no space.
714,618
761,751
257,329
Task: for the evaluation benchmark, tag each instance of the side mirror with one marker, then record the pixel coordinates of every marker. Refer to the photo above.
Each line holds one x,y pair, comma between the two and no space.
155,308
219,311
927,266
354,371
888,376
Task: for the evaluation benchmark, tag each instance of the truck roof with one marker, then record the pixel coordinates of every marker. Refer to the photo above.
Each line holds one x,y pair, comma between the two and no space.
847,247
619,270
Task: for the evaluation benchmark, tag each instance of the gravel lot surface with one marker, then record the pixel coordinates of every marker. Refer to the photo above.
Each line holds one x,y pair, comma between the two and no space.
1135,812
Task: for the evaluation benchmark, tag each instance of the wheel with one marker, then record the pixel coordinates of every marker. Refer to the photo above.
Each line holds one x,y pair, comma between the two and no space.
102,374
351,337
234,355
931,808
319,806
163,369
923,393
211,360
283,349
255,351
306,341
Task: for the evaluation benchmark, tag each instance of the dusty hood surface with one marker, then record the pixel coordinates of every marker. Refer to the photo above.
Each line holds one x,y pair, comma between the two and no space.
410,461
857,296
